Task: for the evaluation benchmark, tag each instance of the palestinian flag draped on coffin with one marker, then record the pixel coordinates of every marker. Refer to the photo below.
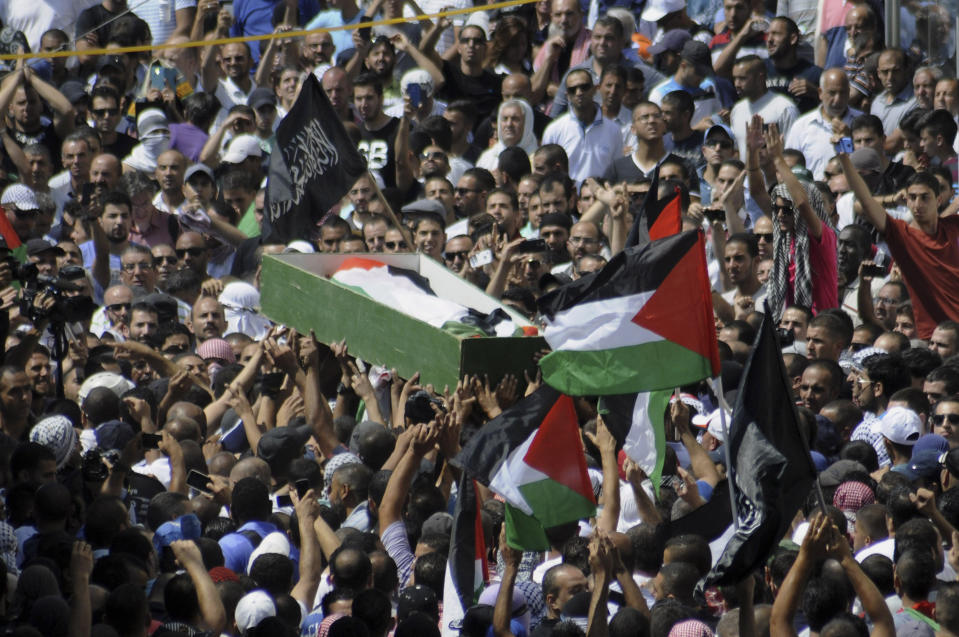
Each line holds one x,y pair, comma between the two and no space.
532,456
644,322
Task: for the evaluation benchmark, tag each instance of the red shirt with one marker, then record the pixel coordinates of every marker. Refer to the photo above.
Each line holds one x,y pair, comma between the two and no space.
823,275
930,267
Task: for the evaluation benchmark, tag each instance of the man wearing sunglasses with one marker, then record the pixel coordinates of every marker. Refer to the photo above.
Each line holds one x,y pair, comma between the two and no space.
945,420
105,113
21,207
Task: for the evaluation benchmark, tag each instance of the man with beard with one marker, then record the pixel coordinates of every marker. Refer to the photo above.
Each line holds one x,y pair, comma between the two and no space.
41,380
740,260
501,205
349,489
165,260
853,244
207,319
192,253
105,171
891,295
472,191
377,129
786,72
584,238
554,228
111,236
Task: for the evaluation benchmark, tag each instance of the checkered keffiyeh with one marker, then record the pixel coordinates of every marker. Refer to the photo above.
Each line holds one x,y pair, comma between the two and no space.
852,496
690,628
56,433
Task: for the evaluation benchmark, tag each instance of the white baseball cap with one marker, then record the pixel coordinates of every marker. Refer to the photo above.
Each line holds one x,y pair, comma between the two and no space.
899,425
253,608
241,147
657,9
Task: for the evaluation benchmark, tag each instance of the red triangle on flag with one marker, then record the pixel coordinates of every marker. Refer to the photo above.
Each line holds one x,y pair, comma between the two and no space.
557,449
681,309
669,220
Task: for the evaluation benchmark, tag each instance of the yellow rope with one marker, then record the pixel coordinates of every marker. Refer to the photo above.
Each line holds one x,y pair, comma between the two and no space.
265,36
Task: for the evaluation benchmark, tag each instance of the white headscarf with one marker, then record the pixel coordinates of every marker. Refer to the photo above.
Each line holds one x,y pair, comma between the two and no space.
490,159
240,302
154,133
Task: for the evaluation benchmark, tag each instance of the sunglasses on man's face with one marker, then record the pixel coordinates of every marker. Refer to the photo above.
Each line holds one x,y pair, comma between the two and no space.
395,245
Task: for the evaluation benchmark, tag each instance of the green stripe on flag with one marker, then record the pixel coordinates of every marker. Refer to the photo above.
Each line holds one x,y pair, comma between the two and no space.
524,531
656,413
554,504
622,370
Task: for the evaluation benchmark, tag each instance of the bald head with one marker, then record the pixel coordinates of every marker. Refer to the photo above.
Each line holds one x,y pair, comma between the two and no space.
834,92
184,409
105,171
251,468
516,85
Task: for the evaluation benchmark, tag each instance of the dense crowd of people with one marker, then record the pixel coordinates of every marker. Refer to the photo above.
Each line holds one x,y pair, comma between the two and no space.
172,462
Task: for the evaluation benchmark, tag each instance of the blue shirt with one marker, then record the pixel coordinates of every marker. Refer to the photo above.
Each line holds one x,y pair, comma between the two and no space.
254,17
342,39
237,548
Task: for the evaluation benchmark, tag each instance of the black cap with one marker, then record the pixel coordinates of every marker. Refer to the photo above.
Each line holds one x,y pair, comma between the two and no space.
39,246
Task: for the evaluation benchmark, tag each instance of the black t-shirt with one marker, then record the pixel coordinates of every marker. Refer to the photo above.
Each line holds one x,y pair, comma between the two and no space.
545,628
91,18
378,148
625,169
484,90
778,81
121,147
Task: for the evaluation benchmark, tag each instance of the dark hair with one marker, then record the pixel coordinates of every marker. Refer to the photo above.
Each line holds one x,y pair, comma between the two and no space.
484,178
373,608
555,156
180,599
745,238
837,323
201,108
681,101
869,121
947,606
514,162
104,518
116,198
823,598
926,179
430,571
27,456
439,131
911,121
369,80
940,122
916,571
690,548
273,572
250,501
945,374
628,622
879,569
915,534
888,370
861,452
166,506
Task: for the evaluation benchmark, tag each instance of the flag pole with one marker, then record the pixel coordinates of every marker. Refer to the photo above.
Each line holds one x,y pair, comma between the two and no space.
721,401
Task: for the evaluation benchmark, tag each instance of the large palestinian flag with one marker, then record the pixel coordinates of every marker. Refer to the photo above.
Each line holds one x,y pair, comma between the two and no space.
644,322
532,456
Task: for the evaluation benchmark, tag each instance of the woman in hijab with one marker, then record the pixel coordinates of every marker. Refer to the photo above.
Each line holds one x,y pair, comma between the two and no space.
804,241
514,127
